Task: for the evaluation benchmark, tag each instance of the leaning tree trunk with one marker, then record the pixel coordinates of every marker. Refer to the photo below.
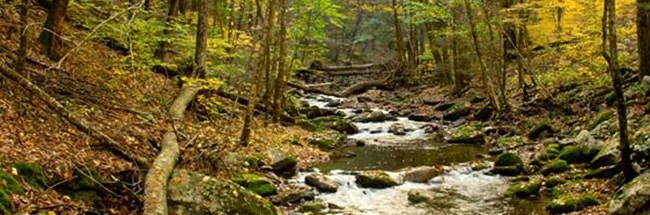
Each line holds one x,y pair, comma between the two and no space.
53,29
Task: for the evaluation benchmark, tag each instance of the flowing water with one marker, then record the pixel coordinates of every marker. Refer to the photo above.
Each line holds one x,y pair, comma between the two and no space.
458,191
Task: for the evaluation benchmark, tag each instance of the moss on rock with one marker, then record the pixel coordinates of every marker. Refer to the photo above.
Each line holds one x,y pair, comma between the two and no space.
555,166
572,154
524,190
374,179
258,184
9,184
314,207
508,159
566,203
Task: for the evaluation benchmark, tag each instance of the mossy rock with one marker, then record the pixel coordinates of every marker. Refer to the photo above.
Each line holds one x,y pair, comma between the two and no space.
553,181
524,190
314,207
374,179
9,184
508,159
572,154
258,184
555,166
510,142
472,134
195,193
254,160
566,203
600,118
32,174
308,125
549,153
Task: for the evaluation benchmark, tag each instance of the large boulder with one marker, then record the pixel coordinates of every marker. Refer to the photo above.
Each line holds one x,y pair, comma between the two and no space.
281,162
421,174
374,179
633,197
375,116
256,183
195,193
321,182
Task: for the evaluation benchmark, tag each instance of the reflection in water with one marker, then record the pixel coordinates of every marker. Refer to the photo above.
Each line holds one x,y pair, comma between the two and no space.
397,157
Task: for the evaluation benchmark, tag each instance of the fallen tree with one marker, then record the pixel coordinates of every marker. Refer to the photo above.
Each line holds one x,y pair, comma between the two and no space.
317,65
355,89
258,107
104,139
157,177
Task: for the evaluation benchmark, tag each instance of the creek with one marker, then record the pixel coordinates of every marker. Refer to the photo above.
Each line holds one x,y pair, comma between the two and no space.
459,190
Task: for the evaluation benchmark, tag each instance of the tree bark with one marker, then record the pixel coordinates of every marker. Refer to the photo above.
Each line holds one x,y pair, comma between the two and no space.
280,81
53,29
113,145
643,34
479,55
155,193
157,177
612,59
399,39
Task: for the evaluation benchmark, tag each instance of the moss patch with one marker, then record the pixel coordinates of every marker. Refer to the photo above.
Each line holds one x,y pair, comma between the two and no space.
9,184
510,141
508,159
566,203
600,118
32,174
313,207
572,154
555,166
375,179
524,190
258,184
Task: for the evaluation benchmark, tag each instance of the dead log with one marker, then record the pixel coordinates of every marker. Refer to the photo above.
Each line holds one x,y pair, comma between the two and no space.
155,194
111,144
310,89
362,87
317,65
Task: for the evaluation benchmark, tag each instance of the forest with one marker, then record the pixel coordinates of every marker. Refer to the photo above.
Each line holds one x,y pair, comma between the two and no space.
325,107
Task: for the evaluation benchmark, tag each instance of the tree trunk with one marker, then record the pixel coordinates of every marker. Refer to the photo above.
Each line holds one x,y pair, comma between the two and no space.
201,49
612,59
258,83
399,39
486,83
53,29
280,81
163,46
643,34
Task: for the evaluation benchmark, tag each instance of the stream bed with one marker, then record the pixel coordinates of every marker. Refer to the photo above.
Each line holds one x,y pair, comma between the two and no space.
459,190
